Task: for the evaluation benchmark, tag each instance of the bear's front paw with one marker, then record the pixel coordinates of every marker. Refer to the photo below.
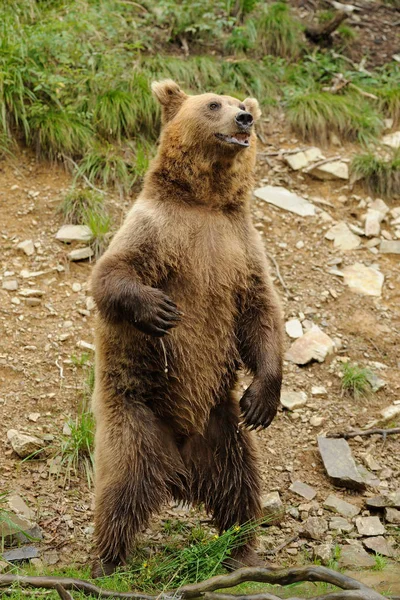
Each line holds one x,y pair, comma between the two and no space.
259,403
155,313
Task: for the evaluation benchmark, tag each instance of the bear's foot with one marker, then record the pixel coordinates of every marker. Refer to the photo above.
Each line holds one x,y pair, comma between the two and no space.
243,557
102,568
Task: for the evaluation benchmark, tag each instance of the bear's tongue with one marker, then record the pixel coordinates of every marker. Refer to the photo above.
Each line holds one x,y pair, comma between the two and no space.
240,138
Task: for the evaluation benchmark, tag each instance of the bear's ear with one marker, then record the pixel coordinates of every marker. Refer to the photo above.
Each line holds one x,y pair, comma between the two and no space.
253,107
170,96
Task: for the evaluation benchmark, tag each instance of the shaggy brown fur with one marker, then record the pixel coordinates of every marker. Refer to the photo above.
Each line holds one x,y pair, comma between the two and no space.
187,262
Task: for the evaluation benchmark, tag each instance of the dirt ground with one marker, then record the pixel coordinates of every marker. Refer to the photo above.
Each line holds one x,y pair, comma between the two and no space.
37,374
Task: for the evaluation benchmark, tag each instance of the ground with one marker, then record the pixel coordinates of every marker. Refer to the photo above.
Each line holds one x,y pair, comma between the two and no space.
39,374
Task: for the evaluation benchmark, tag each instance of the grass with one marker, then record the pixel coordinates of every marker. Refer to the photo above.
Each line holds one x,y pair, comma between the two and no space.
76,451
380,176
78,202
278,32
355,380
380,563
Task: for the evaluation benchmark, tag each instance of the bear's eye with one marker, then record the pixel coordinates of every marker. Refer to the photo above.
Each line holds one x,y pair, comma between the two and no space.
214,106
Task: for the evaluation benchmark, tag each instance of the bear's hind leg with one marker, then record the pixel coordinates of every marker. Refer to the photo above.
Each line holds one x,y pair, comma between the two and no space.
223,472
136,463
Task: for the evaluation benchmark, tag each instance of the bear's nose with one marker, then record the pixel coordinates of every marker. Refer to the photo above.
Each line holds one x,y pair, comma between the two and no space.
244,119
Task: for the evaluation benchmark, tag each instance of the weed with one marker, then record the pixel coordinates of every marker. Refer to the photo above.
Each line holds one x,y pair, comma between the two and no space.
380,563
355,380
380,176
115,113
99,224
105,163
278,32
389,102
80,361
76,453
347,34
78,202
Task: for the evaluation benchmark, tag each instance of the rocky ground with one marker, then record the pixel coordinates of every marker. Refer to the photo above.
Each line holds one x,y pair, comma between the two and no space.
340,288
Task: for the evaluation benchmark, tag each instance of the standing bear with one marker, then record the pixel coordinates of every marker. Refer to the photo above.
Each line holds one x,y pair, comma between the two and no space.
185,300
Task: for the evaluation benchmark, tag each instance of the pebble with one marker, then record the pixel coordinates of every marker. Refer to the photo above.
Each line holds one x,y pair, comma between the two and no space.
318,391
272,508
294,328
90,303
27,247
389,247
80,254
76,287
316,421
10,285
292,400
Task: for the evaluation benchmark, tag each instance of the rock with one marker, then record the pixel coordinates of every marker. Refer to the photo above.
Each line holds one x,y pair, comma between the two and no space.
313,345
80,254
380,206
283,198
392,515
368,477
316,421
31,293
336,169
323,553
355,557
50,557
293,400
339,463
21,554
74,233
369,526
341,507
318,390
392,139
86,345
33,417
342,237
315,528
389,247
303,159
388,123
303,489
76,287
272,508
294,328
18,506
373,223
32,301
374,381
340,524
379,545
363,280
90,303
27,247
390,412
23,444
372,463
67,429
10,285
377,502
394,499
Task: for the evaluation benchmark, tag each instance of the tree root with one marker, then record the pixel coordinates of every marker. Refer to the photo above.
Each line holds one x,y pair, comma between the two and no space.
207,590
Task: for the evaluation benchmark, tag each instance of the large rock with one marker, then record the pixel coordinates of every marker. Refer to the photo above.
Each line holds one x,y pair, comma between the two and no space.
392,140
392,515
283,198
389,247
273,508
23,444
339,463
342,237
363,280
293,400
313,345
336,169
353,556
369,526
379,545
341,507
74,233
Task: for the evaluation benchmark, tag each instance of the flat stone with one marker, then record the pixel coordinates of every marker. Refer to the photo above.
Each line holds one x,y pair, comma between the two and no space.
293,400
27,247
339,463
272,508
372,463
363,280
23,444
341,507
303,159
340,524
392,515
374,381
315,528
316,421
10,285
318,390
74,233
31,293
313,345
294,328
355,557
389,247
368,477
18,506
379,545
22,554
80,254
342,237
369,526
373,222
392,139
394,498
377,502
336,169
380,206
323,553
283,198
303,489
390,412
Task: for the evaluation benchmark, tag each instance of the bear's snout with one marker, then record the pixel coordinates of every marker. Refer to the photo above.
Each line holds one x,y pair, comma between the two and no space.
244,119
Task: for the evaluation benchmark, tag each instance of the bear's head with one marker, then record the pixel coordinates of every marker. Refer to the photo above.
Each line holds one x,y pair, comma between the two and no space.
219,123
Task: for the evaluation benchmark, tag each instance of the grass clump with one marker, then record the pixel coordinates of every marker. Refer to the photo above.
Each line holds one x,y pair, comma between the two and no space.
278,32
115,114
317,114
109,165
380,176
355,380
389,102
99,224
78,203
76,452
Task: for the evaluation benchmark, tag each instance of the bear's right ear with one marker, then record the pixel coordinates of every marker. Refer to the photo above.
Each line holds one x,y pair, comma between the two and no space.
170,96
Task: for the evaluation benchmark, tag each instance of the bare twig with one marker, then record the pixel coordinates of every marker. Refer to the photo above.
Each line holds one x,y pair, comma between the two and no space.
283,545
321,162
278,273
360,432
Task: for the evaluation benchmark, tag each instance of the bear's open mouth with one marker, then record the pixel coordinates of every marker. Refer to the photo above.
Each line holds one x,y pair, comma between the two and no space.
241,139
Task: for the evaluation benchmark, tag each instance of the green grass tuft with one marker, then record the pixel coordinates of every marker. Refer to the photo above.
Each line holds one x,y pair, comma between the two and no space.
380,562
76,451
389,102
106,164
355,380
99,224
380,176
278,32
115,114
77,203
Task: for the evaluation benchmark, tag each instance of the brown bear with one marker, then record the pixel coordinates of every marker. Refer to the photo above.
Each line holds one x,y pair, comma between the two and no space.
185,300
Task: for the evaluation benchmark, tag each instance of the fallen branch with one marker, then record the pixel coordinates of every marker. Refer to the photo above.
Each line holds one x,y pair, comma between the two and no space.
321,162
351,589
323,33
283,545
283,152
278,273
376,431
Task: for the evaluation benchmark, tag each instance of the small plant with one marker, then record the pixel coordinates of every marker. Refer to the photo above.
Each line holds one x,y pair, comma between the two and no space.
115,113
99,224
77,203
278,32
380,563
389,102
76,452
355,380
106,164
380,176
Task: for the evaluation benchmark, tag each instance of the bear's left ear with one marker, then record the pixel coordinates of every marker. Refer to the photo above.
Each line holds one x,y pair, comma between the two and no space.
253,107
170,96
